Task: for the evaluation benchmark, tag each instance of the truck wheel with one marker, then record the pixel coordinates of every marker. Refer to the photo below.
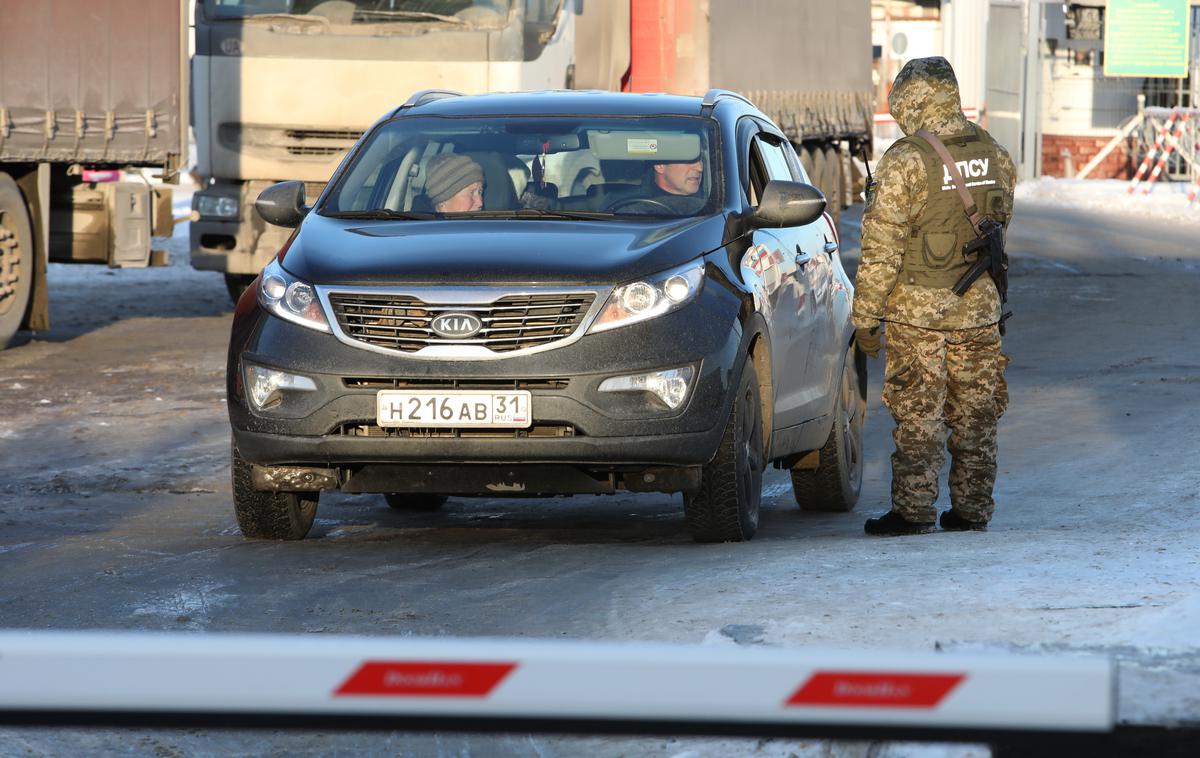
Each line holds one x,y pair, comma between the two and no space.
237,284
833,177
725,508
836,482
270,515
414,501
16,259
806,160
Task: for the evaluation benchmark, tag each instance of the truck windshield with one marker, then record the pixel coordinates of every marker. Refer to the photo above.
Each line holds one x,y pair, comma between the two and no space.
475,12
523,167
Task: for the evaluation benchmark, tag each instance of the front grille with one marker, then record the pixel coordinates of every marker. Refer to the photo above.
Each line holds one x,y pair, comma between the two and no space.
499,385
279,142
514,322
537,431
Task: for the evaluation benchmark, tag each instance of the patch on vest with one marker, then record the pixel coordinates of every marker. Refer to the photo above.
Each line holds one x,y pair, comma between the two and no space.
976,168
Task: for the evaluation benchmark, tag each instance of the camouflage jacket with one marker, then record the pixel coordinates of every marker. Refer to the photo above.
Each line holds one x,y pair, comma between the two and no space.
924,96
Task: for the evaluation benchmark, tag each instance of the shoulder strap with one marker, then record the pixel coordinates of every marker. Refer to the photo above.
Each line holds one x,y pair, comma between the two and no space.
948,160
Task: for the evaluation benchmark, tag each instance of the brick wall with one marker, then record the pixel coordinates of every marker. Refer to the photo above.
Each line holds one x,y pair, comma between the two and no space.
1116,165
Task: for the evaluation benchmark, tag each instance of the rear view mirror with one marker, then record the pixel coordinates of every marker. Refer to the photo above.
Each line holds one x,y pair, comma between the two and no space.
788,204
282,204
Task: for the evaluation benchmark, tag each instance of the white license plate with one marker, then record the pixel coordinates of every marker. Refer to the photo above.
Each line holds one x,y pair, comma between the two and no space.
457,408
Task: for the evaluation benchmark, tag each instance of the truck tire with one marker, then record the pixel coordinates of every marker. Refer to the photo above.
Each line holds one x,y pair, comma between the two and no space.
414,501
835,484
725,507
16,259
806,160
833,176
269,515
236,284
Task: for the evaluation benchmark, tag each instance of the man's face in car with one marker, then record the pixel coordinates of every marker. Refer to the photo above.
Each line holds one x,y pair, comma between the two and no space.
469,198
679,178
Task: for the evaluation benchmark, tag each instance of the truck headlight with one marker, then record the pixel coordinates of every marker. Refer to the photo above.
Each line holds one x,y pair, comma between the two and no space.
670,386
216,206
650,298
289,298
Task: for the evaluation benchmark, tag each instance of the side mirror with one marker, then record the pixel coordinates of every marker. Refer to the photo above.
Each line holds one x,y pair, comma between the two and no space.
282,204
788,204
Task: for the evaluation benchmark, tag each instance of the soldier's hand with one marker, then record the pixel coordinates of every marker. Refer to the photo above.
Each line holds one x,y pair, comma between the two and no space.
869,340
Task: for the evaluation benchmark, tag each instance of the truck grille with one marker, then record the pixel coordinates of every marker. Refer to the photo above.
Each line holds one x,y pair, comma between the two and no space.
511,323
279,142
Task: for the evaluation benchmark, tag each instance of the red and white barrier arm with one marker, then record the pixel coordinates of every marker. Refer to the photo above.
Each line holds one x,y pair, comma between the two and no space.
314,681
1172,143
1144,166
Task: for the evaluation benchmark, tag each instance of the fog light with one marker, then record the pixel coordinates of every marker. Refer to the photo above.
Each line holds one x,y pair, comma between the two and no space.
670,386
266,386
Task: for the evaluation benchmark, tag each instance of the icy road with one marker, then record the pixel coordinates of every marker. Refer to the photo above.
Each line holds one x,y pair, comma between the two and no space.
115,510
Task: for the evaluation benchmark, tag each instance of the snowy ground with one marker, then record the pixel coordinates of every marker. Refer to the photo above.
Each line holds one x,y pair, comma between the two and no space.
1166,203
114,501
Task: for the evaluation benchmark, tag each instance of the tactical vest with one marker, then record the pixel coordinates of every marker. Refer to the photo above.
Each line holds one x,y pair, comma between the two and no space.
933,255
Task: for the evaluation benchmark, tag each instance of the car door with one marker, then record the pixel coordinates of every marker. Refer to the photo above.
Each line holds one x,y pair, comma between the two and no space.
792,319
821,238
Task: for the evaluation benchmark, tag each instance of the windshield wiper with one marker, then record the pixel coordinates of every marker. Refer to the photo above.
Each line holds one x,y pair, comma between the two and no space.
382,214
411,16
539,213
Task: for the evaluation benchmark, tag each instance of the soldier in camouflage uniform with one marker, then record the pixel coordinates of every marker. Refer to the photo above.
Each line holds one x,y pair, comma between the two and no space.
944,364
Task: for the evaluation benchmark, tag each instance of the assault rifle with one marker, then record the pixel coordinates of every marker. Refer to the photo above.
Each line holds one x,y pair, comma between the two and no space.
987,252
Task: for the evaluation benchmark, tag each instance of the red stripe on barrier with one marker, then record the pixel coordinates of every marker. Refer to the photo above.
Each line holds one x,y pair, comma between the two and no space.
875,689
425,679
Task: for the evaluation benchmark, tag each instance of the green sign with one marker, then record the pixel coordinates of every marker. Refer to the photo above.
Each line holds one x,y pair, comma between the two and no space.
1146,38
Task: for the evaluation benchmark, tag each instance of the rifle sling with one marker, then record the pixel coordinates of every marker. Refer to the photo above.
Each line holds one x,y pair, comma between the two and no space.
969,206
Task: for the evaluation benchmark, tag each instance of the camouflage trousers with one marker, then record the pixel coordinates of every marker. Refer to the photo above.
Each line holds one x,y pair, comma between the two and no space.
935,380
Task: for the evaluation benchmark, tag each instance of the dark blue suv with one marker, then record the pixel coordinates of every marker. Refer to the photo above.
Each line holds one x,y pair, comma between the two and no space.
550,293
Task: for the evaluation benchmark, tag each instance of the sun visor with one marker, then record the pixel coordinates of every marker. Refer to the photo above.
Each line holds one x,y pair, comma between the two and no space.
644,146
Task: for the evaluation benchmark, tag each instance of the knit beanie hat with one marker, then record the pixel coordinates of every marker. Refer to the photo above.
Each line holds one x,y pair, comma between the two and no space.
447,174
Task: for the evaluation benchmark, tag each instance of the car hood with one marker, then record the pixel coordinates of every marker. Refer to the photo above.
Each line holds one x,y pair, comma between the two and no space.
330,251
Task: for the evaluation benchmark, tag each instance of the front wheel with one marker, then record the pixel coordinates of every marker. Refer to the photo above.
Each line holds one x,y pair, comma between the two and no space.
835,484
269,515
16,259
725,507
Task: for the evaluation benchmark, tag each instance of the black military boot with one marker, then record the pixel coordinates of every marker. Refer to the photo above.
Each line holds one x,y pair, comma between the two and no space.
892,524
951,521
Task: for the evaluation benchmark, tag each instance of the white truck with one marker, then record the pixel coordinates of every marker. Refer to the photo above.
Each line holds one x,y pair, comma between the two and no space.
281,89
85,94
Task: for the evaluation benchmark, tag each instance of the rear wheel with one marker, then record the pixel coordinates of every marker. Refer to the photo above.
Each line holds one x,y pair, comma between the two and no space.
270,515
414,501
725,508
835,484
16,259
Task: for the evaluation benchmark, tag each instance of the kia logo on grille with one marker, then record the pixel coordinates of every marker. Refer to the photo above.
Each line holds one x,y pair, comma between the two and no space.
456,326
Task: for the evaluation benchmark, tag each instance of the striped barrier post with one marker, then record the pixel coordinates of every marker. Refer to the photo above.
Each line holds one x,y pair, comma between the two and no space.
1150,156
1194,192
306,681
1171,143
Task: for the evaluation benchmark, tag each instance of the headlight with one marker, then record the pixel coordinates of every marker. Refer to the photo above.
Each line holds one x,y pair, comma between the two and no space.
289,298
638,301
217,206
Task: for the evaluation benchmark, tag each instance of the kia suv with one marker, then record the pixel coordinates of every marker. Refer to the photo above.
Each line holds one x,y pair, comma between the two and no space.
550,293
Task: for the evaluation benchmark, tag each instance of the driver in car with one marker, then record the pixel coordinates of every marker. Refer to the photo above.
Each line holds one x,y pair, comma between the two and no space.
454,184
678,177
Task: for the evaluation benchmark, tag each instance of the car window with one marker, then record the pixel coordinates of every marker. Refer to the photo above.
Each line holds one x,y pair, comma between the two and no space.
646,166
793,159
775,160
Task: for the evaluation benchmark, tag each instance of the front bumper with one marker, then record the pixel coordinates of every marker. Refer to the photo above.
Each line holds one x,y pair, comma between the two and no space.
574,425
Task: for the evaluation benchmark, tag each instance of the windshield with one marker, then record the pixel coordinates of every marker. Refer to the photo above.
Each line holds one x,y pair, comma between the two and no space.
475,12
546,166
